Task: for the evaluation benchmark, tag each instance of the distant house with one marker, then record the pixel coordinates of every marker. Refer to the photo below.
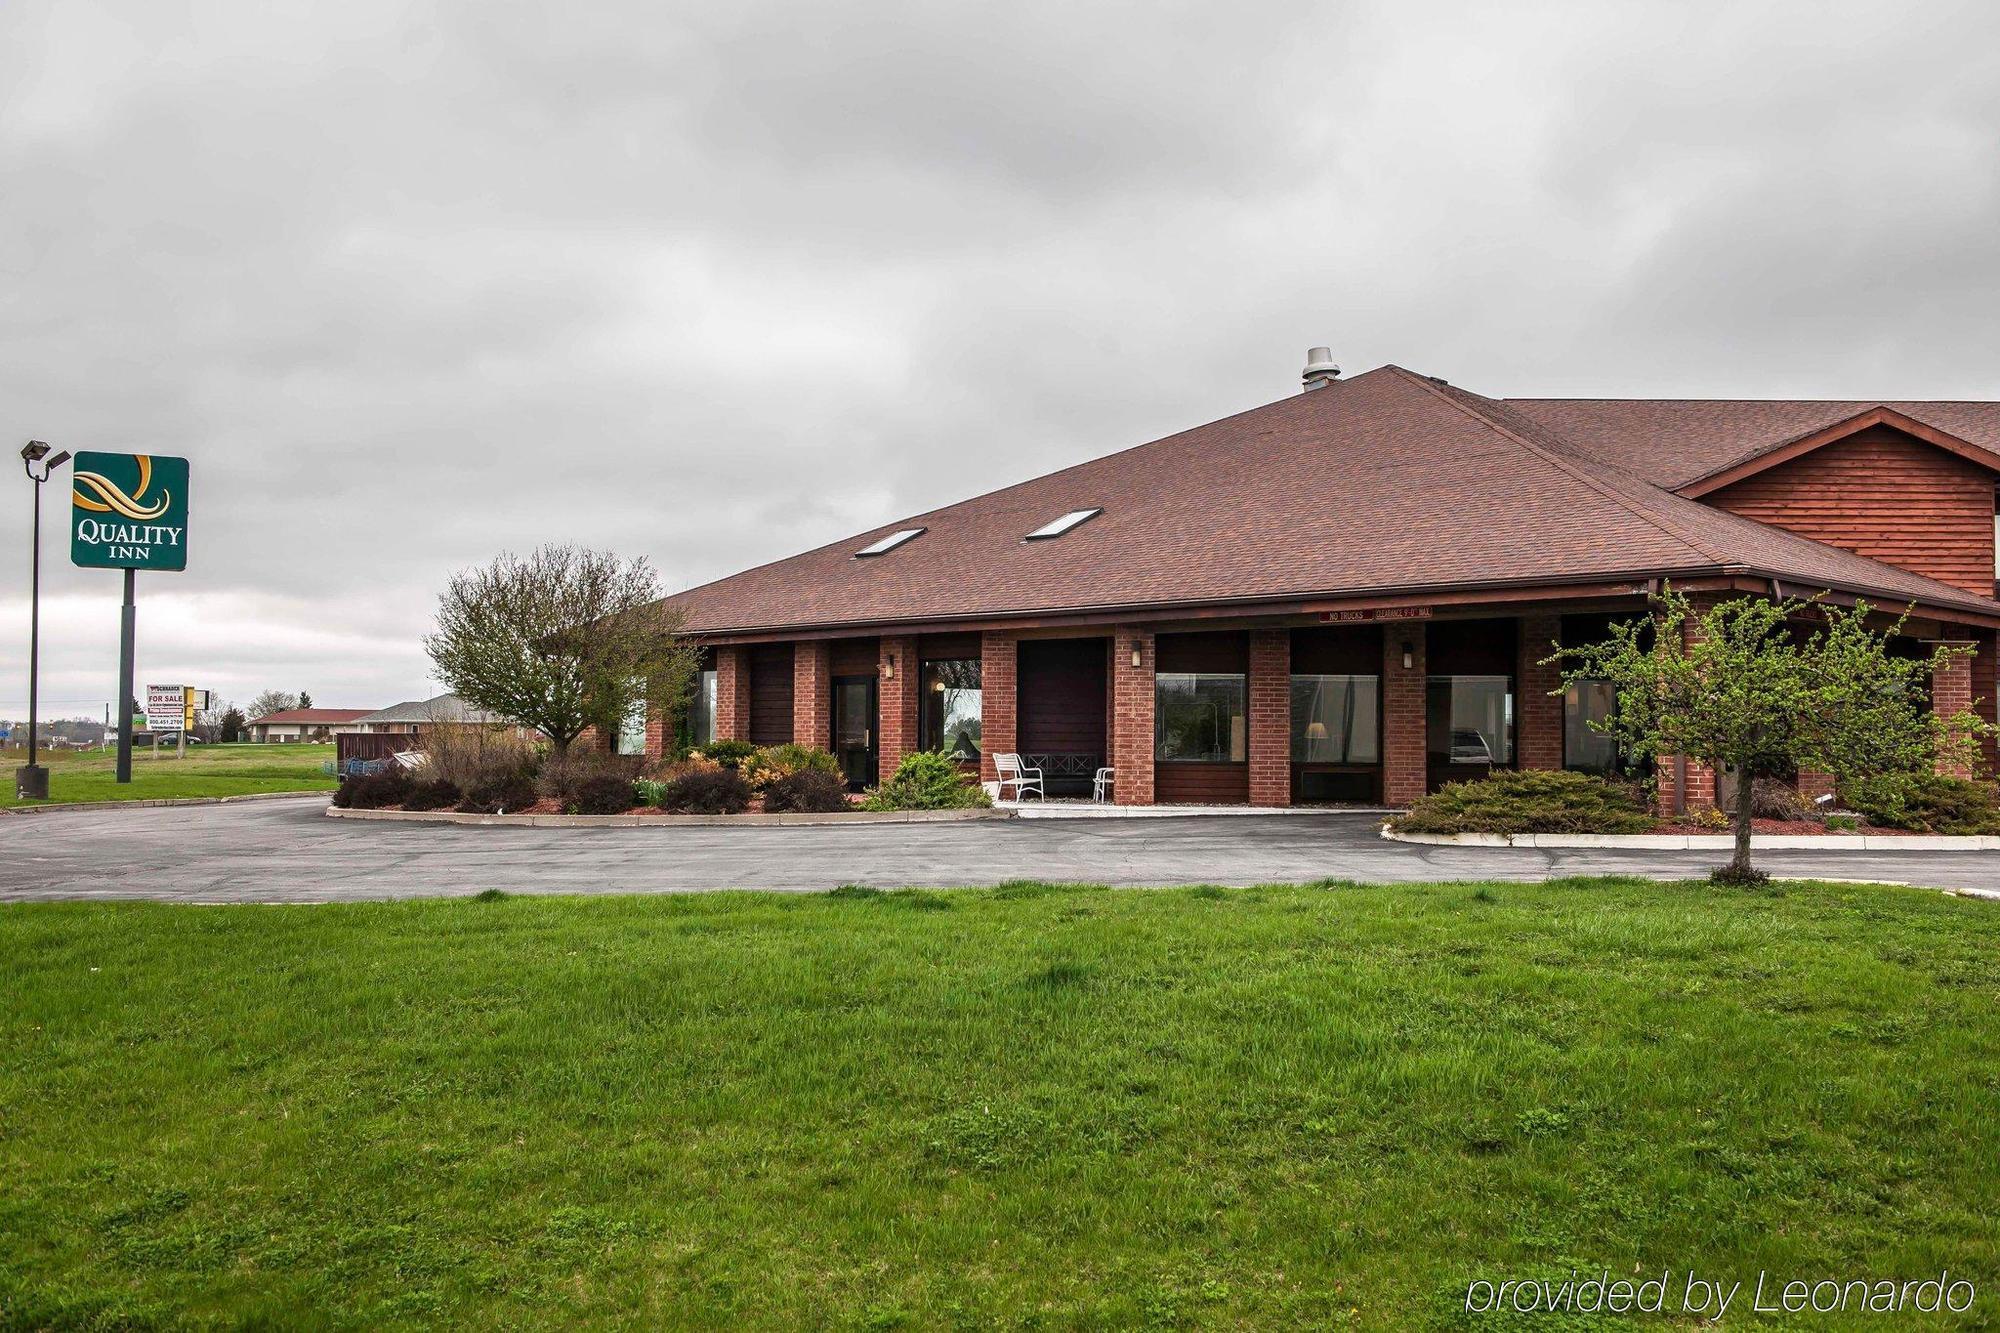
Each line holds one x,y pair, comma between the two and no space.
419,715
304,724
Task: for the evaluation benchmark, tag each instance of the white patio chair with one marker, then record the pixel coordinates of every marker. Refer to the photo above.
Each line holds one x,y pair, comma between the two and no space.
1100,786
1020,776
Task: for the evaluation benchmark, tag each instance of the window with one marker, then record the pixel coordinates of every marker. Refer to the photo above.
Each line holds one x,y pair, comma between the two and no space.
883,545
701,710
949,719
1470,719
632,731
1336,719
1200,718
1586,749
1059,526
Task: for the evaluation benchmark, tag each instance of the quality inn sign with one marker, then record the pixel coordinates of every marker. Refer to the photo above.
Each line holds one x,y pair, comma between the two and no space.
129,511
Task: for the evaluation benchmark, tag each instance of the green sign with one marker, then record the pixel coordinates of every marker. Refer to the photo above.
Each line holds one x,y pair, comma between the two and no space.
128,511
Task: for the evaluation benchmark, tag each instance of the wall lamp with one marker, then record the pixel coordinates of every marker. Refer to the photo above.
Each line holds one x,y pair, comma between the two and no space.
889,668
1135,658
1409,655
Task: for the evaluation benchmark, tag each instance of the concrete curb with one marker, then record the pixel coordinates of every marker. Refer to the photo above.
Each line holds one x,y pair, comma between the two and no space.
1683,842
155,802
1063,810
671,821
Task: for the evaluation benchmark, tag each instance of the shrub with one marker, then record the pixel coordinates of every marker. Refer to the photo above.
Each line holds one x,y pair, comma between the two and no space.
1528,802
466,754
926,780
499,794
1842,824
605,794
562,778
809,791
432,794
1709,817
705,789
730,754
650,791
1926,803
779,761
376,790
1774,798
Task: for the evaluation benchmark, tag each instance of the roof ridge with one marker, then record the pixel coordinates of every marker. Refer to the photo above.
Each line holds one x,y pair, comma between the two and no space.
1561,461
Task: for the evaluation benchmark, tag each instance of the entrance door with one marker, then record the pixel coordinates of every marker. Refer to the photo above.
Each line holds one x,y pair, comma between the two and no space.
854,729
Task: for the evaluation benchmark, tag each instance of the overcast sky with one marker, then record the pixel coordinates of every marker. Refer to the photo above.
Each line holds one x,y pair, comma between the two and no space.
414,283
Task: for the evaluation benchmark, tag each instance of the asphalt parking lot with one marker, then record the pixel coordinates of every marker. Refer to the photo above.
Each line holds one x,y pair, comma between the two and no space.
288,851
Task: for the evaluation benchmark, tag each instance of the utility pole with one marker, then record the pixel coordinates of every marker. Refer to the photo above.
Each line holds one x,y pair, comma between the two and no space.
31,781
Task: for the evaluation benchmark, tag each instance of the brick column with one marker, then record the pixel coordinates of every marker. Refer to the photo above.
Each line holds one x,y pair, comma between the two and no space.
1951,693
1132,701
1270,716
1985,685
659,728
998,659
1405,734
1538,709
1699,789
732,693
898,714
812,693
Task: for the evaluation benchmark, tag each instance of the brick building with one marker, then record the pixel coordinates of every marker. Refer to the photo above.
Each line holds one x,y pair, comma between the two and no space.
1345,595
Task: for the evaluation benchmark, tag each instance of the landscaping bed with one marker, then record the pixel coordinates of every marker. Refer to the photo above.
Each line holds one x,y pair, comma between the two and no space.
1043,1105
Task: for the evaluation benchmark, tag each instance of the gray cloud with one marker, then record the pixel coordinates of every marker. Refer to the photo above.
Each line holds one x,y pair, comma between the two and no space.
411,283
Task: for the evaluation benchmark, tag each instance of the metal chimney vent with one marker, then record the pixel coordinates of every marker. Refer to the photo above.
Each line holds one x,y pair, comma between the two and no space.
1320,370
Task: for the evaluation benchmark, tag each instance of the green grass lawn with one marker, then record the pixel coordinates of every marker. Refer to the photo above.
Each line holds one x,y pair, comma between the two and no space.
208,770
1027,1106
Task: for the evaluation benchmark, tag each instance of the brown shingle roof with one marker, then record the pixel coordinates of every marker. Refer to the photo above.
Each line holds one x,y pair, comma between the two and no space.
1386,482
1671,442
316,716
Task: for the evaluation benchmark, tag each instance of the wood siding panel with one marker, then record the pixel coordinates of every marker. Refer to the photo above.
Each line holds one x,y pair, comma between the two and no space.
1201,784
770,694
1061,693
854,657
1220,653
1884,495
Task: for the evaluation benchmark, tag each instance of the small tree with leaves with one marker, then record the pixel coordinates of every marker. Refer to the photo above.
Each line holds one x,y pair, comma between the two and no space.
562,640
1736,686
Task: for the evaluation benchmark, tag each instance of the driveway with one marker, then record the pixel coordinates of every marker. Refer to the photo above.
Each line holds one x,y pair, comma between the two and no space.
288,851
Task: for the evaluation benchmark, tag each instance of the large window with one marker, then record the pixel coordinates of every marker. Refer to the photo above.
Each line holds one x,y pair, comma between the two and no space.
1470,720
1336,719
632,731
949,720
1200,718
701,710
1585,748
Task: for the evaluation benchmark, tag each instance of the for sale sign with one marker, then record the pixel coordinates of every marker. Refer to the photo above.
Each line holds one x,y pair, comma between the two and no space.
129,511
166,707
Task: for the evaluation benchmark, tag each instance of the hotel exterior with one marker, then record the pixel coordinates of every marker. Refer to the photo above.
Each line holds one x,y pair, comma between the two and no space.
1347,595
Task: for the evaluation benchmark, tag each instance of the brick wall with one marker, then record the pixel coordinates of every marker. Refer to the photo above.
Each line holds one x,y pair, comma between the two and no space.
899,698
1270,716
659,733
1404,741
1886,495
732,693
998,700
1132,701
1951,692
1538,731
1685,784
812,694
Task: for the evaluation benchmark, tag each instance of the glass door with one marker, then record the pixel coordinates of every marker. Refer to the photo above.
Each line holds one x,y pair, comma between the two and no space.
854,729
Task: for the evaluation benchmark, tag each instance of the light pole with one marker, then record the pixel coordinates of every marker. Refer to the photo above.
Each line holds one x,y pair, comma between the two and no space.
31,781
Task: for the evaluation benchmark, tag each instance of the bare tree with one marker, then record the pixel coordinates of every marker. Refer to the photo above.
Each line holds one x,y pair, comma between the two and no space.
272,701
563,640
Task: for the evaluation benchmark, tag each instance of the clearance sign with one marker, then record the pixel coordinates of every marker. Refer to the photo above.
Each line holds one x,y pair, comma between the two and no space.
129,511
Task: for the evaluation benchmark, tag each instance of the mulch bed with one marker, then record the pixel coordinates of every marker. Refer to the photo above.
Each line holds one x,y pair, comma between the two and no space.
1788,827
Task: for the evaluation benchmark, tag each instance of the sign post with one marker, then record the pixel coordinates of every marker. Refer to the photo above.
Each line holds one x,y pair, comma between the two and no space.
129,512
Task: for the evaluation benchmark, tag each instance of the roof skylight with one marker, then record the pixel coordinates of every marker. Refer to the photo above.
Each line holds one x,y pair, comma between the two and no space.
1059,526
883,545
